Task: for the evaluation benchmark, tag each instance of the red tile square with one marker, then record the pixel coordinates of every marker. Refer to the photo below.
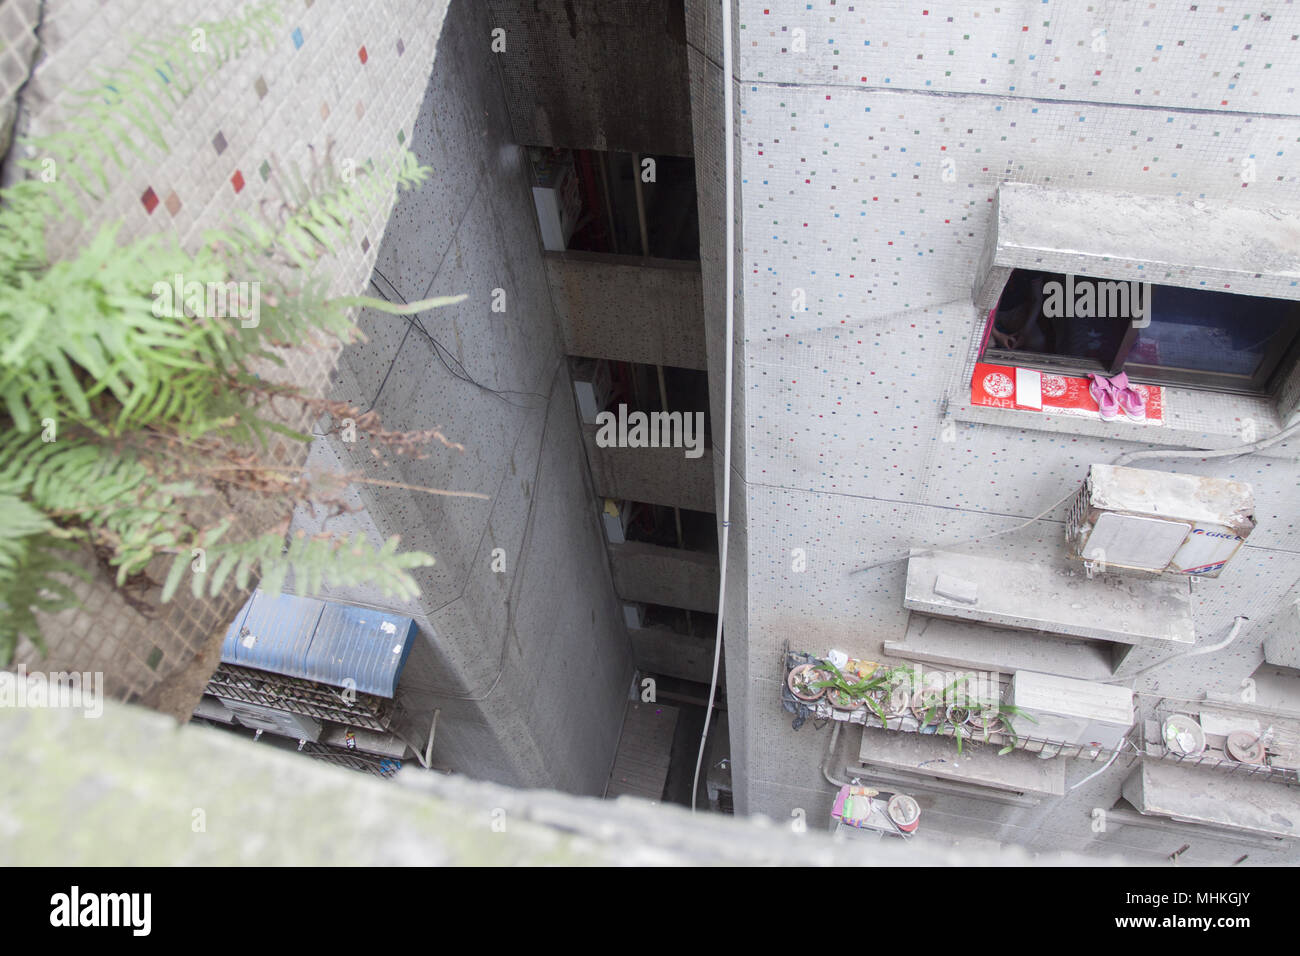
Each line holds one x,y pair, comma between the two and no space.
172,202
362,53
150,200
237,180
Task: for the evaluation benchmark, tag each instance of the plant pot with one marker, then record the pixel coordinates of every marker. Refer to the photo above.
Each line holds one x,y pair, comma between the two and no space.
807,674
924,700
986,721
840,700
904,811
1183,736
958,716
898,701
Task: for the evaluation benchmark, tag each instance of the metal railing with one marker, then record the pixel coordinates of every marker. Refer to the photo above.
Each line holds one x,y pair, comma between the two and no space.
1148,710
358,760
1156,710
297,695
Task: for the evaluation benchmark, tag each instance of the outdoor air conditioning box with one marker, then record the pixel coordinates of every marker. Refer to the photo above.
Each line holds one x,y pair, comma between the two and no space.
1071,711
295,726
556,196
1129,519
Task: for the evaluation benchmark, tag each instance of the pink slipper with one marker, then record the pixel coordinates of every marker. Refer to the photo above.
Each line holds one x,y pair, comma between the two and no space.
1103,393
1130,400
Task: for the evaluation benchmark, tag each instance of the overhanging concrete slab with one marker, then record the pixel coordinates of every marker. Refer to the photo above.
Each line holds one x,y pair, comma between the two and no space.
1054,596
1200,795
934,756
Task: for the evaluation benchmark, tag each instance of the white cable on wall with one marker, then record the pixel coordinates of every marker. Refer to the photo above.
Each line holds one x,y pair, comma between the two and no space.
730,252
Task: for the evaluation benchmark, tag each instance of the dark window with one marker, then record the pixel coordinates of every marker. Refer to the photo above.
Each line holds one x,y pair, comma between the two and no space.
623,203
1162,335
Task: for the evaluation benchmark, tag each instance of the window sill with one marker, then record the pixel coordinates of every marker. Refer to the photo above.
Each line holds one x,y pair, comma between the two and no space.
1193,419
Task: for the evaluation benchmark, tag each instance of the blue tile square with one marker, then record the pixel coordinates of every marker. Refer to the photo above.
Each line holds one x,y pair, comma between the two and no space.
297,38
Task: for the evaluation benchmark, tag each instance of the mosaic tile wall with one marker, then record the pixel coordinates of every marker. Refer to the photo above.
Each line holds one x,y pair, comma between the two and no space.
324,80
873,138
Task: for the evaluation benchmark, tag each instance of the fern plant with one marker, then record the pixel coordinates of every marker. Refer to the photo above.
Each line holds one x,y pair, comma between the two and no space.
125,427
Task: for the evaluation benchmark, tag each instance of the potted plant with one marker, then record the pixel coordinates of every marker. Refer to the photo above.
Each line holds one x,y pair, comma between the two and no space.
805,682
844,694
927,706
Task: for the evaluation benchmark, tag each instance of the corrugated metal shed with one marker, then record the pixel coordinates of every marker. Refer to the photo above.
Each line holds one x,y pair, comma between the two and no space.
321,641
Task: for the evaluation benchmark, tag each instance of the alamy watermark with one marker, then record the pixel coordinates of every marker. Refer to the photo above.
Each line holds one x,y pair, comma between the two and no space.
215,300
1098,299
63,689
651,430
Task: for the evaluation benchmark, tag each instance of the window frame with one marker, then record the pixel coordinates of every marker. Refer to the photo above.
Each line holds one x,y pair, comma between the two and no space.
1265,382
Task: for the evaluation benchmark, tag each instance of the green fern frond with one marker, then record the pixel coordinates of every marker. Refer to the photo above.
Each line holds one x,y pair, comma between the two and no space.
315,562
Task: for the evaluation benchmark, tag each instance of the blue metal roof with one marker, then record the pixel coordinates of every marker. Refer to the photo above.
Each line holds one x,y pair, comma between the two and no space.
321,641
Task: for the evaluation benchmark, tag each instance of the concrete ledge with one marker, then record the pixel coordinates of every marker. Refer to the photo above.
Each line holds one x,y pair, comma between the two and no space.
1193,420
629,309
125,790
937,640
657,476
934,756
1055,596
661,651
1198,795
656,575
1214,246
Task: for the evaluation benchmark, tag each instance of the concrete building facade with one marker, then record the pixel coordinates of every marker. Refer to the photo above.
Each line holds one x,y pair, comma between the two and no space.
872,143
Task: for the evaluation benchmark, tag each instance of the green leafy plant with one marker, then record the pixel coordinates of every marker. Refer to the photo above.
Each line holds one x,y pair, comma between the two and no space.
871,690
134,418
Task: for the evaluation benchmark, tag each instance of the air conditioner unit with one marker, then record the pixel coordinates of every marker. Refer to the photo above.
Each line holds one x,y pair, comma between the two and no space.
556,196
295,726
1071,711
1155,522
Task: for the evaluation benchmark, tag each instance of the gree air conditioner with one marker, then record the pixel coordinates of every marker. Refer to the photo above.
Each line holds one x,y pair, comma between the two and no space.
1154,522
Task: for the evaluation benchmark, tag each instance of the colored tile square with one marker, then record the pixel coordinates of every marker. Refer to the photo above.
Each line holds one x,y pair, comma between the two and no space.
260,86
154,659
324,110
362,55
172,202
237,181
297,38
401,138
361,110
150,200
219,142
401,47
365,244
265,170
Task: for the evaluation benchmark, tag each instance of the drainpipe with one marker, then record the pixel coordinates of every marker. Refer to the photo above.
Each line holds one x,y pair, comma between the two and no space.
1232,636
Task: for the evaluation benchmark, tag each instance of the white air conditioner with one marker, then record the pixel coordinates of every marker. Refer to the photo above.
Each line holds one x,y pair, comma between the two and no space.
295,726
1130,519
556,196
1071,711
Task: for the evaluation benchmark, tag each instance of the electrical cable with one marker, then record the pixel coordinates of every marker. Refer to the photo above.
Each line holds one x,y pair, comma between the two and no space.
983,537
1123,459
464,376
1239,450
730,285
442,352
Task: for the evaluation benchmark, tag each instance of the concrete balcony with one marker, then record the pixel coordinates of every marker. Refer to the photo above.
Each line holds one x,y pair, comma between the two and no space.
659,650
652,574
657,476
629,309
